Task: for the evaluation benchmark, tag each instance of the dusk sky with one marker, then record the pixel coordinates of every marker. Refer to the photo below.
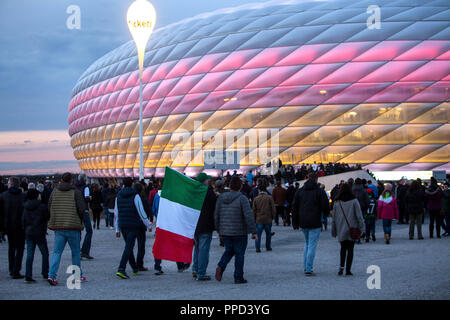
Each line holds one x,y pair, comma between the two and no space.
41,60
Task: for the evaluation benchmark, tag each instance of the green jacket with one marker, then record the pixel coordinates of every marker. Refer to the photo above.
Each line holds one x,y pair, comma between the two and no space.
67,208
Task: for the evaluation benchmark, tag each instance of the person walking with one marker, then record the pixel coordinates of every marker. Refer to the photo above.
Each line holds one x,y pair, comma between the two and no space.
109,203
290,194
446,209
414,204
142,237
434,194
309,203
402,189
86,247
129,216
203,231
324,218
264,211
387,210
96,204
11,207
35,219
279,195
346,214
370,217
67,211
233,221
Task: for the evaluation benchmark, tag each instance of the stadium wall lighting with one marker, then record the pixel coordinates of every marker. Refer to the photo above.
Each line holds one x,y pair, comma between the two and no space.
141,18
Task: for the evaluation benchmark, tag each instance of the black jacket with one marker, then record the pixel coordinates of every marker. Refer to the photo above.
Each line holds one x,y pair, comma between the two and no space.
362,196
290,194
415,201
11,209
206,220
309,203
35,218
401,195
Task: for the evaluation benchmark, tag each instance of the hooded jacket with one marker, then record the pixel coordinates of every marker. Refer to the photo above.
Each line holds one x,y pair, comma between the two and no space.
387,208
35,218
233,215
310,202
362,196
11,209
67,207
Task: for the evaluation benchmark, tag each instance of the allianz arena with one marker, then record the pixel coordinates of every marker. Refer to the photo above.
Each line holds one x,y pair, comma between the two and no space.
330,88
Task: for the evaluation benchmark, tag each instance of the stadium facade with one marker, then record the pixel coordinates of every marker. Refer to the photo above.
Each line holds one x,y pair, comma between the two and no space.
312,78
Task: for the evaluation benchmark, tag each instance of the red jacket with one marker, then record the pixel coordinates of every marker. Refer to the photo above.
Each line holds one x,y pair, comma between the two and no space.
387,208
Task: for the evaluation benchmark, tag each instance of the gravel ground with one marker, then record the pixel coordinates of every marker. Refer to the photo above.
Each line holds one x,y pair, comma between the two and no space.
409,270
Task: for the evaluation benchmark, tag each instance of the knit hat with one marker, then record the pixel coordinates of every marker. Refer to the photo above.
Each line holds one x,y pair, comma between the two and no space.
201,177
388,187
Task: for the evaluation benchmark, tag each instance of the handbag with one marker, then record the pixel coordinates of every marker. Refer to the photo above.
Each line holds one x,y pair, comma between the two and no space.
355,233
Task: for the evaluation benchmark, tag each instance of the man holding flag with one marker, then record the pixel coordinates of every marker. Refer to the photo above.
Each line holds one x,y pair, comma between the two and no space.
179,209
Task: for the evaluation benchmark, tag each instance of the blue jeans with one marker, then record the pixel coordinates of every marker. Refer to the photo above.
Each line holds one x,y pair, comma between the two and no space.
387,226
31,246
88,237
267,228
309,251
201,253
234,246
129,236
106,215
61,238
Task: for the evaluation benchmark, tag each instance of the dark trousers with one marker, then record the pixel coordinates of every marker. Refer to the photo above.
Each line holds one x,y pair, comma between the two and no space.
96,216
447,222
234,246
180,265
16,247
129,236
86,248
141,237
402,214
370,226
415,219
347,254
31,247
435,217
287,215
279,213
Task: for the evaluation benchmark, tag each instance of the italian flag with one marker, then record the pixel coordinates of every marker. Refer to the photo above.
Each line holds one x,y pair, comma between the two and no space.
179,209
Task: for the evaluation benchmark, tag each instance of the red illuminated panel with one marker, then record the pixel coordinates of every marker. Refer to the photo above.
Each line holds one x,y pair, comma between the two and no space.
185,84
103,103
398,92
305,54
168,105
244,98
148,73
133,80
206,63
112,102
357,93
344,52
105,116
392,71
386,50
311,73
150,108
210,82
235,60
162,71
214,101
111,84
273,76
133,96
436,93
426,50
351,72
124,113
317,94
239,79
182,67
120,84
444,56
280,96
134,113
164,88
432,71
149,89
268,57
189,102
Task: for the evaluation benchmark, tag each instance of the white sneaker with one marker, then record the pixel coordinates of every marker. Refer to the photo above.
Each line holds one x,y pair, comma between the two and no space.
111,228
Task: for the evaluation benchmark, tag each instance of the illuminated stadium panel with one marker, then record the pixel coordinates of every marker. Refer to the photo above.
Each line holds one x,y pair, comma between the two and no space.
332,89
